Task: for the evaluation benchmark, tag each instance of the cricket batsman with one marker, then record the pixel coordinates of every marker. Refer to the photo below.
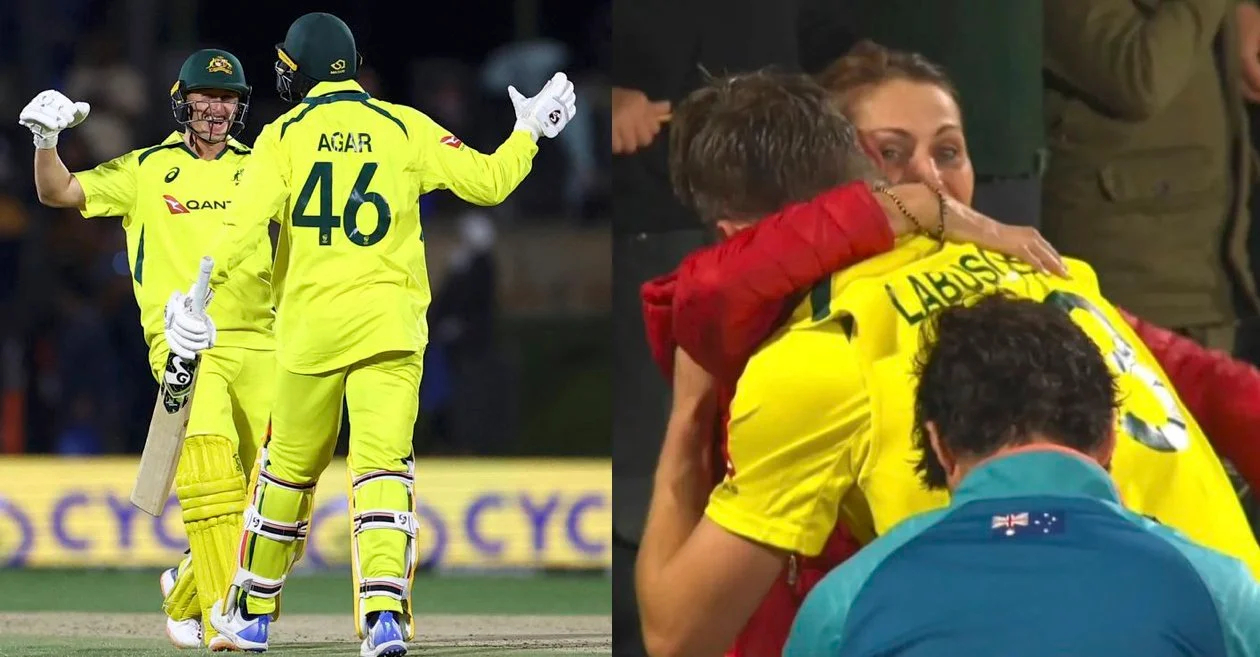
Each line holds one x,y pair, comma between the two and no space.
173,198
345,171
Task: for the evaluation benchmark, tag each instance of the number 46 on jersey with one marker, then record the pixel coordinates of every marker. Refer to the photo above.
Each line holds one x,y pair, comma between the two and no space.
320,180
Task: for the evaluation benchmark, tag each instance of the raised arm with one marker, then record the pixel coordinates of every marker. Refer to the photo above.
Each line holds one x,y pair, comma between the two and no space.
56,186
447,163
46,116
729,297
478,178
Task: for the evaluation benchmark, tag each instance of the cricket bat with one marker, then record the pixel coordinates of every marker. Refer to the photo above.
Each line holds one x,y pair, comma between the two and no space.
170,417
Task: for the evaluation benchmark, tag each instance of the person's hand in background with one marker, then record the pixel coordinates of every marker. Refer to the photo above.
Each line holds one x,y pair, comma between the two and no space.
1248,15
635,120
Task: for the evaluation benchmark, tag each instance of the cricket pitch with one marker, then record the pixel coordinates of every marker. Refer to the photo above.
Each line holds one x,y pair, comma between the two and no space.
84,633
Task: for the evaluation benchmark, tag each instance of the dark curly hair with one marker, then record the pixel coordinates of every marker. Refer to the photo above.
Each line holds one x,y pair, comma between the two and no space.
998,372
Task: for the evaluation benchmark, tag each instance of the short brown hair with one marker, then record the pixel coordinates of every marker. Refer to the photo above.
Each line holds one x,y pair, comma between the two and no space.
869,64
745,146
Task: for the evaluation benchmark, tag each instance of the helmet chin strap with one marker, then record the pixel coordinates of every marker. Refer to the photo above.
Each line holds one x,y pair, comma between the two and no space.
206,138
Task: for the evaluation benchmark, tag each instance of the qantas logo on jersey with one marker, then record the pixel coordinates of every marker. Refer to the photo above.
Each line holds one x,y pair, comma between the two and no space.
176,207
452,141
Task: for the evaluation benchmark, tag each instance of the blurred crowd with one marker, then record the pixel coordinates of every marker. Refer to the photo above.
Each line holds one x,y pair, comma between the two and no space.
73,373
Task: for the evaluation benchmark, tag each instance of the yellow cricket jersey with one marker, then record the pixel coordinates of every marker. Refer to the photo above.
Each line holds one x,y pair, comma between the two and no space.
821,423
172,205
346,171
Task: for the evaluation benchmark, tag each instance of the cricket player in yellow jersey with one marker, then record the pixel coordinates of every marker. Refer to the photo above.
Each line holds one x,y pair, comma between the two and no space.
172,198
821,424
346,171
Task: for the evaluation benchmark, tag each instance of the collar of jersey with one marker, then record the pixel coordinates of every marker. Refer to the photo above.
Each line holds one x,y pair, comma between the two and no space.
328,92
1034,472
178,138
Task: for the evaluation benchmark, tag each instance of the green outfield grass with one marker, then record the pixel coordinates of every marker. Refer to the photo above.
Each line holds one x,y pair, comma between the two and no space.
108,613
153,648
323,593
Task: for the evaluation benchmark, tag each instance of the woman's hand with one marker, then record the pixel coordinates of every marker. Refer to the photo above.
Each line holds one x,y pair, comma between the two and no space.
965,225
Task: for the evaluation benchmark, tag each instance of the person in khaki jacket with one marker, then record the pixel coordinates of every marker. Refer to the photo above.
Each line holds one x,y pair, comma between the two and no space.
1150,164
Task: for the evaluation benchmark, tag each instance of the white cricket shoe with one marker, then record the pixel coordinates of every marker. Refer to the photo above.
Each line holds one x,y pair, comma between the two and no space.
237,633
184,634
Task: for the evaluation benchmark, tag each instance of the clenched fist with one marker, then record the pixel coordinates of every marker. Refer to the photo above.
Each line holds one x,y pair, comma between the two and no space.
189,331
49,113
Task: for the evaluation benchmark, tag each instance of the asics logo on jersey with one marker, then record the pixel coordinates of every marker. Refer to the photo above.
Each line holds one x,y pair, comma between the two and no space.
452,141
176,207
172,174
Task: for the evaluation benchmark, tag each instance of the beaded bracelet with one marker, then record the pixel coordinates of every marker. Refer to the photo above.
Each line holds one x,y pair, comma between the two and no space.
940,230
938,234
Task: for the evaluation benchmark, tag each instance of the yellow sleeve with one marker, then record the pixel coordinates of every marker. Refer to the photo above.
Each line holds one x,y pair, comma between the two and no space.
258,200
109,189
444,162
799,415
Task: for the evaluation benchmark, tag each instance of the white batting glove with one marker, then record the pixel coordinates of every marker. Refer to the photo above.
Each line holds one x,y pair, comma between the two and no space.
187,333
547,113
49,113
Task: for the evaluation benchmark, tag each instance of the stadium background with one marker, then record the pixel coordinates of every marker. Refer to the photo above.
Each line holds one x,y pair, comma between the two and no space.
513,441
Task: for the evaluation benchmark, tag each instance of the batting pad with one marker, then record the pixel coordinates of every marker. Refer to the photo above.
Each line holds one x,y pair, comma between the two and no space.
275,535
181,603
383,546
304,520
211,491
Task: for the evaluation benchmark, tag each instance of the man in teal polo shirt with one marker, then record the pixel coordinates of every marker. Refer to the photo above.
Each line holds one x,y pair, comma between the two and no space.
1035,555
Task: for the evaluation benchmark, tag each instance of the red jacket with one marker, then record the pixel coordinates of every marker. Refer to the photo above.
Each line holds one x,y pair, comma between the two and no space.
725,300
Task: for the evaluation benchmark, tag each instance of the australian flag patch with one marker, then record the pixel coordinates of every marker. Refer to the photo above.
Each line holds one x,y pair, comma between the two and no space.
1027,523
